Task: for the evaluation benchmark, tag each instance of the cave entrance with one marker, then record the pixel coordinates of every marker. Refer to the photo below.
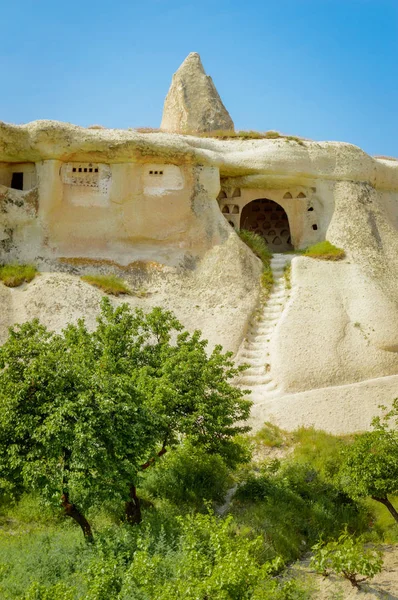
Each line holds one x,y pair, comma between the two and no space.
268,219
17,181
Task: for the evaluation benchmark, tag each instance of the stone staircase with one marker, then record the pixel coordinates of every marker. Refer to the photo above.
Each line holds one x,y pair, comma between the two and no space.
255,349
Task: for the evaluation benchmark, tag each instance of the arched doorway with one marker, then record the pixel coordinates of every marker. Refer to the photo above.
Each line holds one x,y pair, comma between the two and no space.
268,219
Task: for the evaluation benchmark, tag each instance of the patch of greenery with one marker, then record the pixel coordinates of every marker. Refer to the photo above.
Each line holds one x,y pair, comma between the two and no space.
110,284
14,275
287,274
292,503
97,409
230,134
270,435
321,450
259,247
347,556
370,466
184,556
324,251
189,475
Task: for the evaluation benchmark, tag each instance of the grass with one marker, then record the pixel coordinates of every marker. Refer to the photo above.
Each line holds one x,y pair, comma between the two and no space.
270,435
287,274
258,246
324,251
225,134
110,284
14,275
387,157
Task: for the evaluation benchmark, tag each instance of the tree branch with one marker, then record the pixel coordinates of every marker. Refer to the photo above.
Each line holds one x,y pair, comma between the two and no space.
151,461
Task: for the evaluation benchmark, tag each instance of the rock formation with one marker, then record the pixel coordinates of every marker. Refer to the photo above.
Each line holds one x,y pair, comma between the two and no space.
161,210
193,103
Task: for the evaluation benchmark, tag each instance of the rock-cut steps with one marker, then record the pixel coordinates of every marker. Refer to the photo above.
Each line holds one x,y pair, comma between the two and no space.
255,349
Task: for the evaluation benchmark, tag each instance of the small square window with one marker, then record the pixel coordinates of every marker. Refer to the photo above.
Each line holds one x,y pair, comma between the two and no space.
160,172
90,170
85,170
150,172
74,169
156,172
80,169
96,170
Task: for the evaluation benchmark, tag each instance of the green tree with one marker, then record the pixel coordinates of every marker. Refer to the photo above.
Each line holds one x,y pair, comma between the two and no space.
84,414
348,557
370,464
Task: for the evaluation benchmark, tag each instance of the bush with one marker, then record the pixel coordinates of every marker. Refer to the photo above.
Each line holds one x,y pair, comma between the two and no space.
14,275
189,475
209,560
324,251
348,557
292,505
110,284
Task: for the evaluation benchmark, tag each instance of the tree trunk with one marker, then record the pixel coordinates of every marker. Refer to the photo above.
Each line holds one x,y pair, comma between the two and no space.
133,508
72,511
388,505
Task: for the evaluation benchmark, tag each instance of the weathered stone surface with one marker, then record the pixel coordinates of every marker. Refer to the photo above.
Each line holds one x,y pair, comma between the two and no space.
193,103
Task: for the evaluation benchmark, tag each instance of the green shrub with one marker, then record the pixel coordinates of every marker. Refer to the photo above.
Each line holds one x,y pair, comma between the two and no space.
324,251
14,275
209,560
189,475
292,505
110,284
348,557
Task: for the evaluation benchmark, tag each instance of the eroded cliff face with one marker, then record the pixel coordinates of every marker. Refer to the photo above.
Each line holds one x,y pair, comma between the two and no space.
341,324
152,199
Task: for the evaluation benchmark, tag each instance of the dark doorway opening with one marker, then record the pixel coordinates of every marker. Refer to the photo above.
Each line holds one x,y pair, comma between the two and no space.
268,219
17,181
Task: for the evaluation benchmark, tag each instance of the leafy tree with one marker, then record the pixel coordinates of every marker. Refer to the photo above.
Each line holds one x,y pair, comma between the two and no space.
84,414
370,466
348,557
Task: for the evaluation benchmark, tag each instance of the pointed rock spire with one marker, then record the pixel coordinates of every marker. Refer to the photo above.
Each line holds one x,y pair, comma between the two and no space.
193,103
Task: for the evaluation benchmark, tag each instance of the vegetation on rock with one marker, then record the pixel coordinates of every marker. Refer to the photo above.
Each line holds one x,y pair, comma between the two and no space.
259,247
14,275
250,135
110,284
324,251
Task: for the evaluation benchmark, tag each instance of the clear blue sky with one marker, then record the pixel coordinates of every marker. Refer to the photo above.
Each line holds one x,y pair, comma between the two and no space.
327,70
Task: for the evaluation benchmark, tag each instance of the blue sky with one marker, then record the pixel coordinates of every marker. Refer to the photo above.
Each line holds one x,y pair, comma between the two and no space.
318,68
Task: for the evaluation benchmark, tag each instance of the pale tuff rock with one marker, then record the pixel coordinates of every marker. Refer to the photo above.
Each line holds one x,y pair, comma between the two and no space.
193,103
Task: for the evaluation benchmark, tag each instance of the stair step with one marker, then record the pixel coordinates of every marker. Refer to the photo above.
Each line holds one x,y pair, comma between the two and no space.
260,370
255,380
253,354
